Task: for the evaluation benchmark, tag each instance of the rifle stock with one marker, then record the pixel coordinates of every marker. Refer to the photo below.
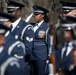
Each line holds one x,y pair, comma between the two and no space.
52,55
52,58
61,73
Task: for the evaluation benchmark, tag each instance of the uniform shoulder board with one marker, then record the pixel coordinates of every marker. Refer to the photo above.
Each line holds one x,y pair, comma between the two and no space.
14,45
29,26
12,61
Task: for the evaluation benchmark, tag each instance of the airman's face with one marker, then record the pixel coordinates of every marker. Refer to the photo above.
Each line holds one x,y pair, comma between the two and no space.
16,13
67,35
38,17
2,39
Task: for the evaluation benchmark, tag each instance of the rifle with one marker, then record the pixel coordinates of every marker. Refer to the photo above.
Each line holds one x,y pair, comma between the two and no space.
52,55
52,32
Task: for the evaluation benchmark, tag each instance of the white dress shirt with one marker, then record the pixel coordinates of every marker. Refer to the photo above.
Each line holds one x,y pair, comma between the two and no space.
1,49
69,48
38,25
14,24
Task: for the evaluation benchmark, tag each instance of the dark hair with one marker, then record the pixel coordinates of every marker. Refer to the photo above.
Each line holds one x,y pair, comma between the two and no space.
73,36
46,18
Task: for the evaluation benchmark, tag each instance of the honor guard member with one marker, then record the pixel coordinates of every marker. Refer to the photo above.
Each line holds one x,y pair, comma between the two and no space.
40,51
21,30
63,56
67,9
15,49
4,17
72,68
8,65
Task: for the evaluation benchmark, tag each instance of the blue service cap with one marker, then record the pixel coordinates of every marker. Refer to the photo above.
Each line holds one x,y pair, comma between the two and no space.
40,10
13,5
5,17
69,23
66,27
3,28
68,20
67,6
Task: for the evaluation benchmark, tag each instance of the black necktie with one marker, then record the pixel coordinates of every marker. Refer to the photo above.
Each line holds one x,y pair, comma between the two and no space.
36,25
64,54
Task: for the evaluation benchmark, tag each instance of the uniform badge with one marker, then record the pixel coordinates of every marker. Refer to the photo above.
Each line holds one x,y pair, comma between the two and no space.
17,26
16,36
41,34
29,39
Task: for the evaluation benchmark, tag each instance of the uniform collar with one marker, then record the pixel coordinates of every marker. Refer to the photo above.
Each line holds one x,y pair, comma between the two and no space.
14,24
1,48
69,44
40,23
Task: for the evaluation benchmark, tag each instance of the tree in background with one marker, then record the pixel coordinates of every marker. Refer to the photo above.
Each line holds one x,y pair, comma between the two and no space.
44,3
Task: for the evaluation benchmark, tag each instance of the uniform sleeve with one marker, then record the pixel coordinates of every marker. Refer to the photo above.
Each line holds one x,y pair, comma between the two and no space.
57,60
48,40
18,51
13,68
28,40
